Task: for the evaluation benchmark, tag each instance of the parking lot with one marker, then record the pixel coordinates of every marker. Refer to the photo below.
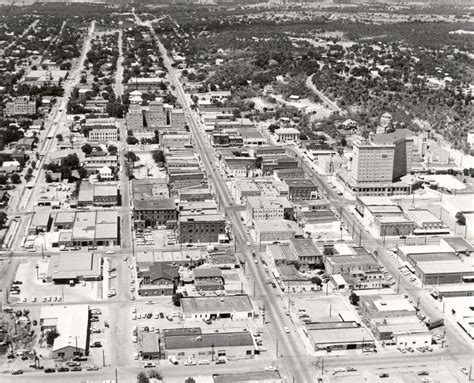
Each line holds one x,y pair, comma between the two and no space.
33,290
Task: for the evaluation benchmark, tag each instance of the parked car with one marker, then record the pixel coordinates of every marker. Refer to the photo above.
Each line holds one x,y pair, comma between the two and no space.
49,370
17,372
63,369
149,365
96,344
76,368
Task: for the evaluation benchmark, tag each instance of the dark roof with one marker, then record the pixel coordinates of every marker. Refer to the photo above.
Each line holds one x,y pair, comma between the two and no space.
250,376
216,339
207,272
458,244
160,270
305,182
154,204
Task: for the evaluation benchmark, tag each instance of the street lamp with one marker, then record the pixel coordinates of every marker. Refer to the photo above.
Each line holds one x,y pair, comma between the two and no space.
37,271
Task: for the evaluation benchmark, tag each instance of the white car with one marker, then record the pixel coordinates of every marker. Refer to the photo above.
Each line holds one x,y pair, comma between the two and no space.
247,243
109,252
286,329
135,356
203,362
190,362
270,368
124,258
134,310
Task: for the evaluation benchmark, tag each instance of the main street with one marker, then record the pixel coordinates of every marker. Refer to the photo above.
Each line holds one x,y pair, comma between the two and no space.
289,344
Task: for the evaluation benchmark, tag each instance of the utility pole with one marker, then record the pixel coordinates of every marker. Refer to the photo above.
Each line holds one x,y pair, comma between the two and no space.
254,282
360,237
277,356
116,376
263,314
322,366
398,284
103,358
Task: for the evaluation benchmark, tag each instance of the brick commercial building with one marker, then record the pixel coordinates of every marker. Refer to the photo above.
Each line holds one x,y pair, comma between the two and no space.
301,189
155,211
201,228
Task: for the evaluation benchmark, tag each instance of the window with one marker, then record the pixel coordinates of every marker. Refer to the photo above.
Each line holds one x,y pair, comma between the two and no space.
180,353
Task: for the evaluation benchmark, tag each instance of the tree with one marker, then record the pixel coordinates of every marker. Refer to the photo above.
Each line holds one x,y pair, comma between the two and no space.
155,374
354,299
142,378
59,137
190,380
303,137
460,219
316,280
51,335
3,218
48,178
87,148
131,140
158,156
15,178
343,142
258,162
273,127
112,149
132,157
177,299
3,179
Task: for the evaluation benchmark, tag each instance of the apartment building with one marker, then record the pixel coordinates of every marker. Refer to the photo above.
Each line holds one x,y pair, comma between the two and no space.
156,115
177,119
372,162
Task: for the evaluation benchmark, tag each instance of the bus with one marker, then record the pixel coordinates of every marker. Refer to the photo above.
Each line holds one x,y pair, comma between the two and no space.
51,132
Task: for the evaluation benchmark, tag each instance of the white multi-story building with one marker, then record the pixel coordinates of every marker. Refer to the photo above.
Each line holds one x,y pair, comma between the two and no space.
266,208
372,163
177,119
103,135
288,134
135,118
22,106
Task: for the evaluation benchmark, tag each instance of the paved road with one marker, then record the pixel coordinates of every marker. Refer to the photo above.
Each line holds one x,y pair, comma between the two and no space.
289,344
330,104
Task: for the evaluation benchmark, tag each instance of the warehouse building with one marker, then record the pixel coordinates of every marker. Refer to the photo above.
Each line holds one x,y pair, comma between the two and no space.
276,230
182,344
338,336
71,268
72,325
233,307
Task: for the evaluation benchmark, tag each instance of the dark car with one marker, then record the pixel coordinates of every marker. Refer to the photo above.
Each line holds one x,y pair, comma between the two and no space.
274,285
63,369
162,316
149,315
76,368
207,321
220,361
384,375
92,368
96,344
17,372
49,370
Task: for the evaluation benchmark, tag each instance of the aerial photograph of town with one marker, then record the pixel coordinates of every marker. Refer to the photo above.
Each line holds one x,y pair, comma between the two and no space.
237,191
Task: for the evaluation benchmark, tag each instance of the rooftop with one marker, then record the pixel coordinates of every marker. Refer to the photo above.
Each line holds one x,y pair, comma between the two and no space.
446,267
215,339
340,335
248,377
300,182
276,225
156,203
256,202
74,265
232,303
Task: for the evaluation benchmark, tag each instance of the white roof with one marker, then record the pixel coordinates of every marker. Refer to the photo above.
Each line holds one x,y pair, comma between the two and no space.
287,131
71,324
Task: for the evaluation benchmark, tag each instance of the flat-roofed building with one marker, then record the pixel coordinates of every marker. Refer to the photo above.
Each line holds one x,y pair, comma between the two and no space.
345,264
75,267
250,377
97,195
276,230
402,332
288,134
72,325
150,346
338,336
211,346
144,84
232,306
385,306
22,106
295,173
134,118
424,219
64,220
266,208
301,189
177,119
155,211
201,227
174,140
40,223
306,251
441,272
103,135
454,290
150,187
